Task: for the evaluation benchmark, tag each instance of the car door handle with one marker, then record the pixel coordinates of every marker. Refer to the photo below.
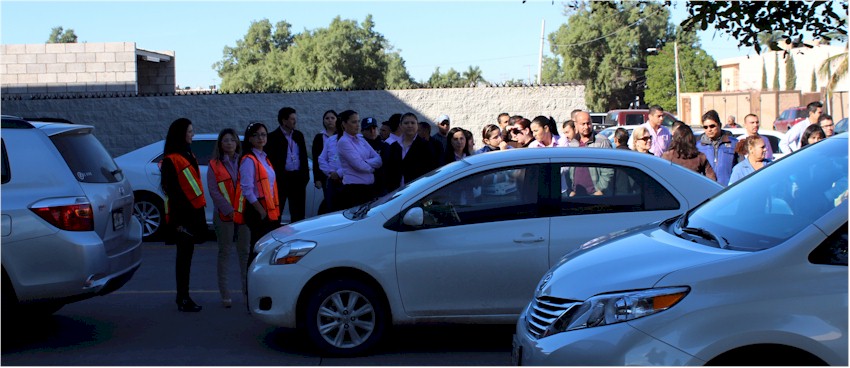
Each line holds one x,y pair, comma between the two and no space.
528,239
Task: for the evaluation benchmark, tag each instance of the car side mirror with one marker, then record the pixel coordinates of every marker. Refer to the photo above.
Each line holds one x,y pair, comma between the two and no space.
414,217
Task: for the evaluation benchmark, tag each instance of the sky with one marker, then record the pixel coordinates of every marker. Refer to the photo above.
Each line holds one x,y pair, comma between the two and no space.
502,37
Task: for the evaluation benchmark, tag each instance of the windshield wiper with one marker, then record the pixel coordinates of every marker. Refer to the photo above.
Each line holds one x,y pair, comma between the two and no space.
705,234
363,209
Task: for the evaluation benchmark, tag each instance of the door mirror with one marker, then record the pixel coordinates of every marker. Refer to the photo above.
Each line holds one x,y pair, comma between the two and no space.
414,217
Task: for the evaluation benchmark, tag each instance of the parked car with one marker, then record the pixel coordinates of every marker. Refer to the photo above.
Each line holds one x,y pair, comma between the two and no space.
465,243
598,121
789,118
841,126
623,117
141,167
757,275
67,227
772,136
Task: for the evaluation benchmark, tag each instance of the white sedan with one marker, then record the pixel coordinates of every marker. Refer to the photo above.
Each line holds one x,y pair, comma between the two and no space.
465,243
141,167
756,275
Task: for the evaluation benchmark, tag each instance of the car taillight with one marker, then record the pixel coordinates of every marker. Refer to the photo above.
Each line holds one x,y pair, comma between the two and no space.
73,217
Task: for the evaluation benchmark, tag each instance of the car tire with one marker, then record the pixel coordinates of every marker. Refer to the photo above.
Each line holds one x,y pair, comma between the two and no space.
345,317
149,209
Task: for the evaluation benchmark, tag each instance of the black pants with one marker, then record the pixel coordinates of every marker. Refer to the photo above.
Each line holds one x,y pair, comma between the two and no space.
185,249
355,194
292,188
259,227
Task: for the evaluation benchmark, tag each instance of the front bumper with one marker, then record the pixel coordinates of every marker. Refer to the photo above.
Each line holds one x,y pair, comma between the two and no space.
613,345
273,291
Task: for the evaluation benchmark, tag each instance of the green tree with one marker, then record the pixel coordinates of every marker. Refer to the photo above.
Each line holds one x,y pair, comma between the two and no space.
472,76
345,55
826,67
603,45
59,35
552,71
698,71
763,75
814,81
449,79
769,41
776,72
790,73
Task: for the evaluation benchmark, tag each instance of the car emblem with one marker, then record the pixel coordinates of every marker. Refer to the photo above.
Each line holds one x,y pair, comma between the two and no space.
121,190
544,281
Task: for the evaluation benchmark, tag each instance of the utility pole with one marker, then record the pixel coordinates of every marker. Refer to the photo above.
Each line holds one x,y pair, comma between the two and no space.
676,57
540,60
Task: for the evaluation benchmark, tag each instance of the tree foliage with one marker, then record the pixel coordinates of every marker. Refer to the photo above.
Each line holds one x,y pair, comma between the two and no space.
745,20
59,35
790,73
603,45
698,71
453,79
345,55
763,75
552,71
839,64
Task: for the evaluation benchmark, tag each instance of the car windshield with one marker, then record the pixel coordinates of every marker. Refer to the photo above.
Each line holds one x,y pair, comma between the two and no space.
774,204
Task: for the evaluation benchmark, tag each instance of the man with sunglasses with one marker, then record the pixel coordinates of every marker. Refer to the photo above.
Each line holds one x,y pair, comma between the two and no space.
718,145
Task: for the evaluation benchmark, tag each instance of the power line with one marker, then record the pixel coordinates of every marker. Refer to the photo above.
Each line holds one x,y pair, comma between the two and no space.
610,34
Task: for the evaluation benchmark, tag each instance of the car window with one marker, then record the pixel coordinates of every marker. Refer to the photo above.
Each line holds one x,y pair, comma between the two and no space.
496,195
7,174
623,189
203,150
802,113
833,250
780,200
634,119
86,157
668,121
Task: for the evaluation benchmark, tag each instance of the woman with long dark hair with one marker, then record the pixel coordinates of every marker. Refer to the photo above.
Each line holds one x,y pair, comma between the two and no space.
226,194
184,204
320,179
257,178
683,151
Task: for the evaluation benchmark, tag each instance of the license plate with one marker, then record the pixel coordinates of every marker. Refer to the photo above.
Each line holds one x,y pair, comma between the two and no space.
118,219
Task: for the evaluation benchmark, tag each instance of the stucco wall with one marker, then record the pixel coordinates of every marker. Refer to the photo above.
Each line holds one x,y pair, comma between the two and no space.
126,123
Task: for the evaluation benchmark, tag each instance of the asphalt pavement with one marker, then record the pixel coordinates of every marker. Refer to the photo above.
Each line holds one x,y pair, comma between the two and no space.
139,325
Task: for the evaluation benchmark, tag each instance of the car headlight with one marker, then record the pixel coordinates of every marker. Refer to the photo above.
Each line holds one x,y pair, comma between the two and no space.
291,252
606,309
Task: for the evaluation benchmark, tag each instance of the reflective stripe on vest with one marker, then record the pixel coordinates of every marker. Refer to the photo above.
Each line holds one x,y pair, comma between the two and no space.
189,179
231,192
261,182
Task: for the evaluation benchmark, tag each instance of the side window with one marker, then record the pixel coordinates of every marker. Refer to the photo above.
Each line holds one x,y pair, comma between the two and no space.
589,189
668,121
498,195
7,174
833,250
634,119
203,150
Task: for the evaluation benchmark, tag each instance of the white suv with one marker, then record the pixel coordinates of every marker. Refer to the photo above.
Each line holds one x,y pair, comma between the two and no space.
68,230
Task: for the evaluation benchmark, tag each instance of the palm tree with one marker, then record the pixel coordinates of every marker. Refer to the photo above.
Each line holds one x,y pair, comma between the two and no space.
473,75
825,71
770,40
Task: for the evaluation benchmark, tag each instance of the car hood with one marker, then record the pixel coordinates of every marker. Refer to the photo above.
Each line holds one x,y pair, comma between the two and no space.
313,226
637,261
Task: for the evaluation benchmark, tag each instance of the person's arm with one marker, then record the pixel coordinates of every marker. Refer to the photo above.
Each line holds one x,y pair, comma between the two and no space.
349,154
318,145
373,160
709,171
791,141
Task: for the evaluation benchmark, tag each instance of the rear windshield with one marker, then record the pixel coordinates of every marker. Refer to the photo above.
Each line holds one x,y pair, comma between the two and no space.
86,157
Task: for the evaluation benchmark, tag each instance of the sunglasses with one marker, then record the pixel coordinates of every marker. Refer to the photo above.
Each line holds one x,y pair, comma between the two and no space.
712,126
647,138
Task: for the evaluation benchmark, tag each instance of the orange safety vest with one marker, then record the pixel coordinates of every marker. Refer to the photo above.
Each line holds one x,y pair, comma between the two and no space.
190,182
261,182
231,192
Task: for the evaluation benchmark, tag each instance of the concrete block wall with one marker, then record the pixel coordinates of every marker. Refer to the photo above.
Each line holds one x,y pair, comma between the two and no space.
126,123
157,77
68,68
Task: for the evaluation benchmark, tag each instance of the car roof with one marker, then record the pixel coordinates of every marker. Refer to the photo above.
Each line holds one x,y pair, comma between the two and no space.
51,128
561,153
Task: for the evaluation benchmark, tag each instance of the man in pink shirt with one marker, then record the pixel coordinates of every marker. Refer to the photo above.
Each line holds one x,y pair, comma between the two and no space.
660,134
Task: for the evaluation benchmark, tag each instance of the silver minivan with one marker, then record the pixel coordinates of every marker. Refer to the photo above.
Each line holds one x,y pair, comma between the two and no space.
68,230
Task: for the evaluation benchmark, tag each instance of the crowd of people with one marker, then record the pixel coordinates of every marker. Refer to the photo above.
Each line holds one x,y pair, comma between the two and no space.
356,160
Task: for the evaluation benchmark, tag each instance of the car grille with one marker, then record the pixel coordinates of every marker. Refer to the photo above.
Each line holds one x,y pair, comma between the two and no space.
544,311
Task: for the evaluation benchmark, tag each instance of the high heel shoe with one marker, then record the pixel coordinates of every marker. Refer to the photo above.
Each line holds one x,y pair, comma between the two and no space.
187,305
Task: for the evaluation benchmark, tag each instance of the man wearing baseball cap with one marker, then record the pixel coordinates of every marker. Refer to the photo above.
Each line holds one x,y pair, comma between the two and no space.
443,125
369,130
